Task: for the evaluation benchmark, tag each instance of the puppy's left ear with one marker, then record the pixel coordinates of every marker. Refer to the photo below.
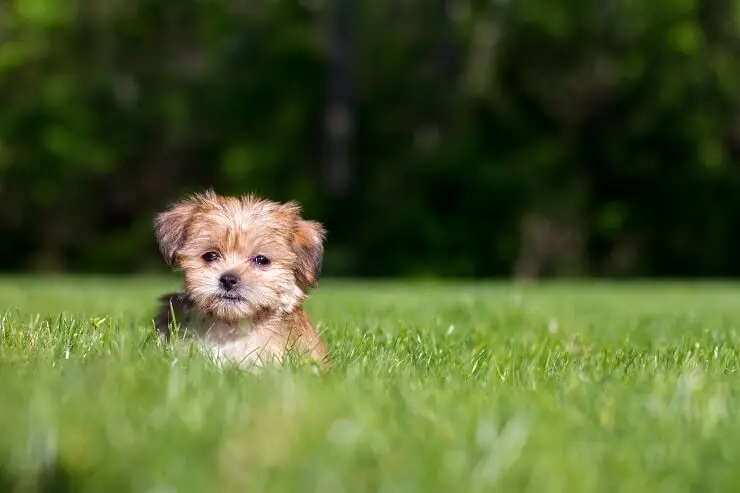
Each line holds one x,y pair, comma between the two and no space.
308,245
170,227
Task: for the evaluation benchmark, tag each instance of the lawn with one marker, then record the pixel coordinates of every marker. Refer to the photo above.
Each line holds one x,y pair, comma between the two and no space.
448,387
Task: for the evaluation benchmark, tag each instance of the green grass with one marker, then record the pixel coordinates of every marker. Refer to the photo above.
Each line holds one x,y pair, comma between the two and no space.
435,388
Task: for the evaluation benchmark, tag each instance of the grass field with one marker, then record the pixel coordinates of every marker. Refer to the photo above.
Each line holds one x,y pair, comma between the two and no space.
435,388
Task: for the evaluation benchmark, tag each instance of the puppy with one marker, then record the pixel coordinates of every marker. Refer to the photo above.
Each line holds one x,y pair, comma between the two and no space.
248,265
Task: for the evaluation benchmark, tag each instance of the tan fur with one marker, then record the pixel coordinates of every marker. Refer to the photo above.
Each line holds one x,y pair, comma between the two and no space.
265,318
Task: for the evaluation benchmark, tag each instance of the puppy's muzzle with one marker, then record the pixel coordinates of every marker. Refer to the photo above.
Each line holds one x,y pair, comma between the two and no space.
229,281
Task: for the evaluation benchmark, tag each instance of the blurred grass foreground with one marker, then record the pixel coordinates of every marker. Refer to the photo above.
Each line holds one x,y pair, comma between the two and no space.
456,138
557,388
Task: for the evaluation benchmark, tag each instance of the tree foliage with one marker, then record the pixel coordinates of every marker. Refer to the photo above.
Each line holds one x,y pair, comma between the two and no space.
536,137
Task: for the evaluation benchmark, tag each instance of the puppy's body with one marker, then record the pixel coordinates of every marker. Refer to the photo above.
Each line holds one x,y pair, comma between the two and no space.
248,265
248,343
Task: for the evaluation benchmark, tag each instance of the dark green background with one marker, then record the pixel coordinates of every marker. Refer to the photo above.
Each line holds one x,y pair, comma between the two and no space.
520,137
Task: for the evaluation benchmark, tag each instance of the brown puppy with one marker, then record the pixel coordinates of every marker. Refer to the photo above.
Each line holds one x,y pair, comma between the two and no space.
248,264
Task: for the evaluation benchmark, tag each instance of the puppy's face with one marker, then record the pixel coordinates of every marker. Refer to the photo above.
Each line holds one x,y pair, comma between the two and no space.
241,255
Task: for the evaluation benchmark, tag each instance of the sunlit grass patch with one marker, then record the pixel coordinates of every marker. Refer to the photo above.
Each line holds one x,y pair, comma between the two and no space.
433,387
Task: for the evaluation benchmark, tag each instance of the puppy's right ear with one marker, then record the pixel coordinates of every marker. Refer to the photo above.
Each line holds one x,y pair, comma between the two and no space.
170,227
308,245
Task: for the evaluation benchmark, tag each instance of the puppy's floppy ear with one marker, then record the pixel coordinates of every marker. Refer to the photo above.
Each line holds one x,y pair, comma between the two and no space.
308,245
170,227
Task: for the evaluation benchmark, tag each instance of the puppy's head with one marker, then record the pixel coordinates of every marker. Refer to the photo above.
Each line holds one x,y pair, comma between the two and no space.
241,255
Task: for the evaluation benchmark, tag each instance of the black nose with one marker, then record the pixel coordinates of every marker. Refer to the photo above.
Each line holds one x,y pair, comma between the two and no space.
229,280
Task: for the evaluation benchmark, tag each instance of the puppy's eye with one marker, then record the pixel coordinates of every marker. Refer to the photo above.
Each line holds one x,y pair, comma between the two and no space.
210,256
261,260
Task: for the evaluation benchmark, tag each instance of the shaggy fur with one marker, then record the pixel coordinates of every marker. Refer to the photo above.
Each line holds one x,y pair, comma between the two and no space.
248,264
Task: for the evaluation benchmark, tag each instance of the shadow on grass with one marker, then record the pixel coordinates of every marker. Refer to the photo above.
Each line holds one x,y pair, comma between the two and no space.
53,477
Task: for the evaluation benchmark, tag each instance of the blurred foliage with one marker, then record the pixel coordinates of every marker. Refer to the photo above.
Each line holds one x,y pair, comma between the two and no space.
536,137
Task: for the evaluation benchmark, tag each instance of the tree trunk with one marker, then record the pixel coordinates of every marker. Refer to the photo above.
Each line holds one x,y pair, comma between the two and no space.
339,113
